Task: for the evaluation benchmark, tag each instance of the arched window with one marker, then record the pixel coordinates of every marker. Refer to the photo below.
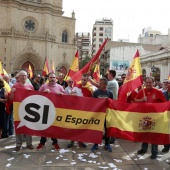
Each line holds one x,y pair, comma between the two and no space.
64,36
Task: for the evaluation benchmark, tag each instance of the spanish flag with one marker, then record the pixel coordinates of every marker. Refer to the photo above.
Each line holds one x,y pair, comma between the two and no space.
139,122
53,68
1,69
46,68
169,77
96,73
133,78
2,72
59,116
74,68
30,71
89,67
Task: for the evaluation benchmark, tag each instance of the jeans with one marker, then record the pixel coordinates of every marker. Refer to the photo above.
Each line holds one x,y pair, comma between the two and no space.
44,139
8,125
154,148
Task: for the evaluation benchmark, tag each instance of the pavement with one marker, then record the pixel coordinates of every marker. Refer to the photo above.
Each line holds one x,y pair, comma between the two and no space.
123,157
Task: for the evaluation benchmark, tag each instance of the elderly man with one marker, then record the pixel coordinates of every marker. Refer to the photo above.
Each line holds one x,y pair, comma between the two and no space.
61,80
51,87
22,84
69,88
150,95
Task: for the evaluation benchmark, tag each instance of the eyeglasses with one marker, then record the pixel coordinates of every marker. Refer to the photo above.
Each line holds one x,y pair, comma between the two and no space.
52,77
123,77
70,81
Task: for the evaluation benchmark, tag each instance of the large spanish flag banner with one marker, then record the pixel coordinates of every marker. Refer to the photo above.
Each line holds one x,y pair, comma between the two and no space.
59,116
133,78
139,122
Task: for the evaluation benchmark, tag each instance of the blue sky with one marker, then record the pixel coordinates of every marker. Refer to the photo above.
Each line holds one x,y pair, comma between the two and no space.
129,16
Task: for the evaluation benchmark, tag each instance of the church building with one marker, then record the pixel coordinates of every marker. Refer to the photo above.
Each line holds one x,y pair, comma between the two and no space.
31,30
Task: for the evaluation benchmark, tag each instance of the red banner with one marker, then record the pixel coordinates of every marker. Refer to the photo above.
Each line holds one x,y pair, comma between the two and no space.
64,117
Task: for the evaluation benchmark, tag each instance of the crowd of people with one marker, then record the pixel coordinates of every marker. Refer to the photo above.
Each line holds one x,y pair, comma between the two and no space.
107,87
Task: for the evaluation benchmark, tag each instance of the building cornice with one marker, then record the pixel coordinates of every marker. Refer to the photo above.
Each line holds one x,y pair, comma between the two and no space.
160,55
26,35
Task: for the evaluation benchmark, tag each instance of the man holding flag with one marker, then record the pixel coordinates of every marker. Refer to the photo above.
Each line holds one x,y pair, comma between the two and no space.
150,95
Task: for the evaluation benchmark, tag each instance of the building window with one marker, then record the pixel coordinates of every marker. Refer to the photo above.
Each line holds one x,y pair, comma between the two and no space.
101,40
64,36
101,28
101,34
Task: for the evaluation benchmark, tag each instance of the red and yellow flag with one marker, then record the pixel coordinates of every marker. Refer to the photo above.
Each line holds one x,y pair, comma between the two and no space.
64,117
1,69
3,72
89,67
46,68
139,122
133,78
96,73
169,77
30,71
53,68
74,68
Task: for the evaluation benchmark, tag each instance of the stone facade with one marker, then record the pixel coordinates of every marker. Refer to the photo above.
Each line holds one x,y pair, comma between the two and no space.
33,30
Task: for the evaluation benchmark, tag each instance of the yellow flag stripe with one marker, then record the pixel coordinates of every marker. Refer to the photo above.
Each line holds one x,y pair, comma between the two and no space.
131,121
72,119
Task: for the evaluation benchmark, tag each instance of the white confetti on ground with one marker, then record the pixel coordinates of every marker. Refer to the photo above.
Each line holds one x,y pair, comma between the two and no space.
10,159
63,151
116,146
73,163
98,153
49,162
9,147
57,157
127,158
117,160
167,160
112,165
104,167
26,156
74,151
65,159
92,155
145,168
61,156
8,165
